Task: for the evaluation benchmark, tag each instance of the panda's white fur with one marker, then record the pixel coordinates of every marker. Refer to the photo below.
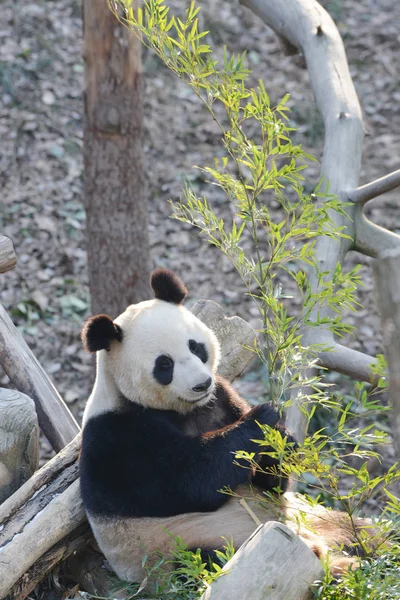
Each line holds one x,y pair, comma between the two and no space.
150,328
125,374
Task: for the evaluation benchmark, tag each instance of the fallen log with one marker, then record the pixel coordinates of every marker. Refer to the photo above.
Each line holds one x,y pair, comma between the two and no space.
66,547
38,521
292,568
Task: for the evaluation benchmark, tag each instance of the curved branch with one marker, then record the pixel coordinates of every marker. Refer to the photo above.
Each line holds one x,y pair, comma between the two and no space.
376,188
371,239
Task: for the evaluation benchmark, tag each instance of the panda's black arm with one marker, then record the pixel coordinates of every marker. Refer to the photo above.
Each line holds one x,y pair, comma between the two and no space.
140,463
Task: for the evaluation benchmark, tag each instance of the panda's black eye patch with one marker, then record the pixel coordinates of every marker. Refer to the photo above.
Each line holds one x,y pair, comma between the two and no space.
198,349
163,369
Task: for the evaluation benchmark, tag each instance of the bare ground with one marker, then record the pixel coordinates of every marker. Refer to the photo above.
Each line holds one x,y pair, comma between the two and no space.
41,170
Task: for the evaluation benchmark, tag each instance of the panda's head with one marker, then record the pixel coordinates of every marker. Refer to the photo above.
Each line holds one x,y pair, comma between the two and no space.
156,353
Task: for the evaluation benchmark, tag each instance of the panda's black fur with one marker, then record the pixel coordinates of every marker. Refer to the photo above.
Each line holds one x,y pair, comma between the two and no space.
130,456
155,457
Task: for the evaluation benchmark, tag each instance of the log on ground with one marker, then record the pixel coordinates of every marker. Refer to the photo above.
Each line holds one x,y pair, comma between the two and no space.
274,564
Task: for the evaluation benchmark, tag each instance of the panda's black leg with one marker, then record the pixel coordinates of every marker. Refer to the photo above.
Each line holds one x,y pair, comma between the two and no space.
208,556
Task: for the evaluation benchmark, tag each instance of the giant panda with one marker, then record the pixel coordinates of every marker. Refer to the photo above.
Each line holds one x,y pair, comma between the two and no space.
160,432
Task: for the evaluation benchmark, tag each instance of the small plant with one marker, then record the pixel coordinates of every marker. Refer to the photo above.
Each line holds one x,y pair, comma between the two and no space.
184,576
374,580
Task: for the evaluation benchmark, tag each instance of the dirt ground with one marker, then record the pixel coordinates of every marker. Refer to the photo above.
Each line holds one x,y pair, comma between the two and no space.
41,169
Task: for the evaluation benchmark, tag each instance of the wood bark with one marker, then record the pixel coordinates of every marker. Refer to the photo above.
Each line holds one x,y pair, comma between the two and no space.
25,372
40,521
387,284
274,564
114,193
19,441
8,260
67,547
236,337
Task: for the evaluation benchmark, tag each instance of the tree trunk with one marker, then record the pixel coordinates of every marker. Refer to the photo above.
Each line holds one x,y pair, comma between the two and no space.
387,282
115,195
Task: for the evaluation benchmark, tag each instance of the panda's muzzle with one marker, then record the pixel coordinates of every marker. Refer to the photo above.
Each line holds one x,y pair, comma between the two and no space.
202,387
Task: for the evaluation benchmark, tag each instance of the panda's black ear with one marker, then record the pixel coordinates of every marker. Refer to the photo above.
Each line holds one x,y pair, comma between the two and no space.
168,286
99,332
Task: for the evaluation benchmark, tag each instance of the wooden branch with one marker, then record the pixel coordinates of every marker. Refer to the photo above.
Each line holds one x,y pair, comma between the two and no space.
19,441
64,512
387,283
87,567
8,259
340,358
376,188
273,563
55,419
371,239
58,473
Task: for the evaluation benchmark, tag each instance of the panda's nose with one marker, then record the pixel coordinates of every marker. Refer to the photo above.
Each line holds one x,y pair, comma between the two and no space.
203,387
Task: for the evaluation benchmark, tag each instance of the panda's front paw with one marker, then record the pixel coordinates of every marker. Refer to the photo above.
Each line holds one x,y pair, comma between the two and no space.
265,414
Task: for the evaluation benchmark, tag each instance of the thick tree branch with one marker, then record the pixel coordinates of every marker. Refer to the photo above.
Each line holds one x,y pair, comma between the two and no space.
371,239
376,188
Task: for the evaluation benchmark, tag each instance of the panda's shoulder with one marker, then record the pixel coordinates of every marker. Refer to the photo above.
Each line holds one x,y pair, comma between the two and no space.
117,427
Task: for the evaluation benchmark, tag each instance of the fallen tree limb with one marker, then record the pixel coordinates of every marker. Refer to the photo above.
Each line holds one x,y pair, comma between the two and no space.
53,477
62,514
16,358
65,548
